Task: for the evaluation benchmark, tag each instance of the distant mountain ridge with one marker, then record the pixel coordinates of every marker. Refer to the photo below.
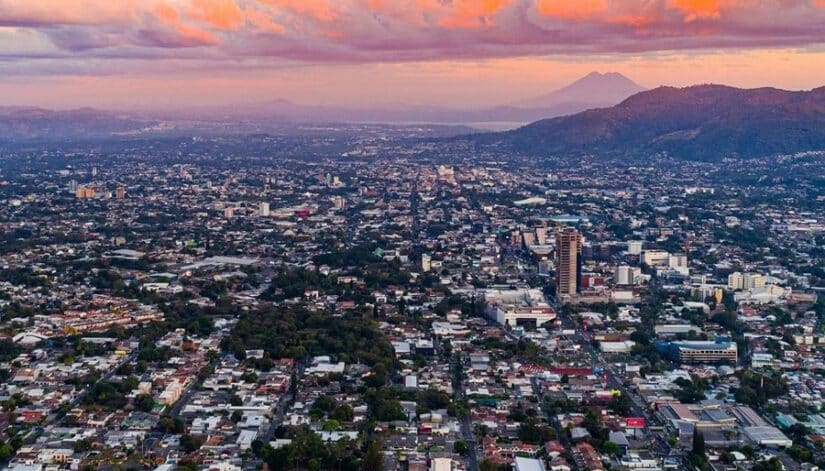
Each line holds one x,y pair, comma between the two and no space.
592,91
22,122
704,122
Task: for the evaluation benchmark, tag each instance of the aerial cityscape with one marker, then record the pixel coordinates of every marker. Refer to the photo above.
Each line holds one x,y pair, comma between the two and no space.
379,235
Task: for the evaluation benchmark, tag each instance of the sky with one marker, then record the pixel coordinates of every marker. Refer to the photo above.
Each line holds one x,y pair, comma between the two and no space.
459,53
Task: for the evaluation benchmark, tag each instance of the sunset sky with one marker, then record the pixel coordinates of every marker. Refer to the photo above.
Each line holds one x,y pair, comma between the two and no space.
148,53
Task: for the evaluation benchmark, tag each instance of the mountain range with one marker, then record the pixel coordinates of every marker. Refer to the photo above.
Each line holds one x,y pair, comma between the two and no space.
592,91
595,90
18,122
704,122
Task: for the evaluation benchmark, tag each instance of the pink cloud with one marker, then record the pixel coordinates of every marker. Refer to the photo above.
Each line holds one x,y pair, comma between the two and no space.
572,11
263,22
317,10
473,13
358,31
48,12
220,14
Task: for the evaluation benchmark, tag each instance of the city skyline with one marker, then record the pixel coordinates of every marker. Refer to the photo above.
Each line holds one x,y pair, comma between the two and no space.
145,54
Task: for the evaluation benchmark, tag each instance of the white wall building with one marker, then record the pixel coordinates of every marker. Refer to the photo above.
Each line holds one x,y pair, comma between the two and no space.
512,306
426,263
738,281
627,275
655,258
441,464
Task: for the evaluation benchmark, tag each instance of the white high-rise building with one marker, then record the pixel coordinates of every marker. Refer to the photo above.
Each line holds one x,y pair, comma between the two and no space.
735,281
677,261
754,280
627,275
655,258
426,264
541,235
738,281
634,247
441,464
263,209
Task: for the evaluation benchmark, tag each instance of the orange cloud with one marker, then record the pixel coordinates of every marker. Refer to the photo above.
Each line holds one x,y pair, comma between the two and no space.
186,34
263,21
599,11
572,10
697,9
320,10
473,13
194,36
220,14
166,13
634,20
414,13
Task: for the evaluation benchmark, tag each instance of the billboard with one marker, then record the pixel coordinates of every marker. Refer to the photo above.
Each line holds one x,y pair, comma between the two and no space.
635,422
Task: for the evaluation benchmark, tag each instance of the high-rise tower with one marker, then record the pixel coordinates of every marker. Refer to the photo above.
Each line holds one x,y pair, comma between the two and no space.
568,261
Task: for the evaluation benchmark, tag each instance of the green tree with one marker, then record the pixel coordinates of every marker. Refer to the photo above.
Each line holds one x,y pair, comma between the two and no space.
82,445
610,448
373,457
772,464
144,402
189,443
621,405
343,413
331,425
6,451
167,424
698,443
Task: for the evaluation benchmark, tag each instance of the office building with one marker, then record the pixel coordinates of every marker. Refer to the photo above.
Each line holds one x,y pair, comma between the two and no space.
568,261
541,235
738,281
677,261
84,192
655,258
514,307
426,263
263,209
721,350
626,275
